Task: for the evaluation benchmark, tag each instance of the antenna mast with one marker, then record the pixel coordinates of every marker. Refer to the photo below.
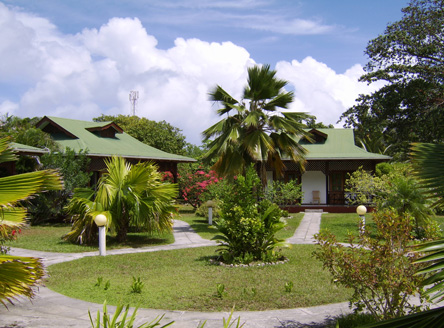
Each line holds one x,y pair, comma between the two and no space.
133,96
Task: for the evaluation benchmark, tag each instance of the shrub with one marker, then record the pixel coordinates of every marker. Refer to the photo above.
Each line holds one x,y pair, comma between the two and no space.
397,189
248,228
193,185
284,193
380,270
203,210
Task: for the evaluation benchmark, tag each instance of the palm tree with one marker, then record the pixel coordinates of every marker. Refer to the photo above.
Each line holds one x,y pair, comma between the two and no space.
127,195
256,131
18,275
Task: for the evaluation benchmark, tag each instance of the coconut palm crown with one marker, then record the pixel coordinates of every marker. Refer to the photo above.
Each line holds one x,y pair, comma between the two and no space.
255,129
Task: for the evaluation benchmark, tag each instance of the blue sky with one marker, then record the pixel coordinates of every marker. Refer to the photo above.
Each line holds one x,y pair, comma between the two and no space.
81,58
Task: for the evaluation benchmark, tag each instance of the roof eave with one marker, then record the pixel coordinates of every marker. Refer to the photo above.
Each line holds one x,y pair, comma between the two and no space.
188,160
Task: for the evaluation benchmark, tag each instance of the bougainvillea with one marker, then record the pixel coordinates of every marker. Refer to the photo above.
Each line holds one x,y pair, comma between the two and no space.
167,176
192,185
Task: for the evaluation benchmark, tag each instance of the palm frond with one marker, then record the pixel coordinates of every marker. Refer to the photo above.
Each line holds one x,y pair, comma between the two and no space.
18,276
21,186
428,163
6,152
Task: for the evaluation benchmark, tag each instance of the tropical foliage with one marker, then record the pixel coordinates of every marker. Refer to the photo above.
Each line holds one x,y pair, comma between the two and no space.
395,188
255,129
248,228
428,160
379,270
128,195
284,193
18,275
49,207
192,185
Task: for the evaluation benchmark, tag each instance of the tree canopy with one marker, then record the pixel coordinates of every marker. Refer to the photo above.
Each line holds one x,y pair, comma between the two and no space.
409,59
23,130
160,135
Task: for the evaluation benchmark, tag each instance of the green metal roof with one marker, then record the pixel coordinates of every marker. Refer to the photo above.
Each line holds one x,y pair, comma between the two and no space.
18,147
338,145
74,134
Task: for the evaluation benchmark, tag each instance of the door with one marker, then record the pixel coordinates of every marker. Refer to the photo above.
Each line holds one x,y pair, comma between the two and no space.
336,190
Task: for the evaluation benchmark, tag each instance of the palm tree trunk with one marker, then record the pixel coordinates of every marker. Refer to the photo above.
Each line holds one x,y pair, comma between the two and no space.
122,232
263,174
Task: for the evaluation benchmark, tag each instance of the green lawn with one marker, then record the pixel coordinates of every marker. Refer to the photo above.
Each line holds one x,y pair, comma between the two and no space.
340,224
201,226
185,280
48,239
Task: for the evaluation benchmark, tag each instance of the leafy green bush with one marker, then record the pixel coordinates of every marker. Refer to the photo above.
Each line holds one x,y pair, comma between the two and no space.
398,189
248,227
202,211
380,270
284,193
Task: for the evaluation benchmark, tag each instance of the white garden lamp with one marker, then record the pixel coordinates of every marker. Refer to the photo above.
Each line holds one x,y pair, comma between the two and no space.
210,205
361,210
100,220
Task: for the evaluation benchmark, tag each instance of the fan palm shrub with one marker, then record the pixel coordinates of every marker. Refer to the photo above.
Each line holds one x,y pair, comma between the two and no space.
128,195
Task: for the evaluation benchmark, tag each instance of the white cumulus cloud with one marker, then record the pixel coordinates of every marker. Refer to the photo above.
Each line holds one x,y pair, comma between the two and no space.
91,73
321,91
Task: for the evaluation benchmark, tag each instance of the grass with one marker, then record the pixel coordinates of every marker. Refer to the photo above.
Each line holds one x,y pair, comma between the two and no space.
185,280
201,226
340,224
48,239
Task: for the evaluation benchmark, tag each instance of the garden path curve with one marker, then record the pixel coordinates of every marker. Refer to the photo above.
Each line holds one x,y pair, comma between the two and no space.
50,309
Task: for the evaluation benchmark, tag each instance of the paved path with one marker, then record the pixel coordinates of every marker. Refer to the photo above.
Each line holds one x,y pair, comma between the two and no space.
50,309
308,227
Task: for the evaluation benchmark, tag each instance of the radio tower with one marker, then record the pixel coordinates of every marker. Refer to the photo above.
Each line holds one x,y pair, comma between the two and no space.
133,96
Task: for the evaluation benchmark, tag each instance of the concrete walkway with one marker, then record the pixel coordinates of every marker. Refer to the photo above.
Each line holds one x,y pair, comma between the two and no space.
308,227
50,309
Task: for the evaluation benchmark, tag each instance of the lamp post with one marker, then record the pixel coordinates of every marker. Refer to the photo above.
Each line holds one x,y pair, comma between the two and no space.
210,205
100,220
361,210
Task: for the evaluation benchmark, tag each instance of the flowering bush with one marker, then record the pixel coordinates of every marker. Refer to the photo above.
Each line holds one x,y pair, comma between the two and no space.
193,185
167,177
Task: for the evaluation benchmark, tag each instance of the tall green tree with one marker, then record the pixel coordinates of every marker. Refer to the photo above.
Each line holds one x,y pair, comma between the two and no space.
127,195
409,59
255,130
160,135
18,275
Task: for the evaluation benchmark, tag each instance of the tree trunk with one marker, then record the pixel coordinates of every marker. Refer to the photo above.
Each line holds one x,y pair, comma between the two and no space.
122,232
